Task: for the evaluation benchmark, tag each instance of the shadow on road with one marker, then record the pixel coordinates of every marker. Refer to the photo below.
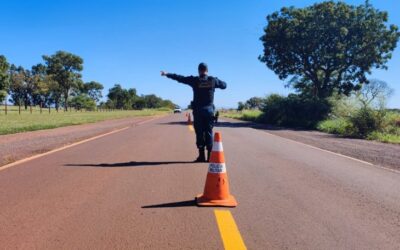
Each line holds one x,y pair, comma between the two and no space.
188,203
234,124
130,164
174,123
219,124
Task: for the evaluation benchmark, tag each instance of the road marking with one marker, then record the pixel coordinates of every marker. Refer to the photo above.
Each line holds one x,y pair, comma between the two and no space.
191,128
71,145
229,232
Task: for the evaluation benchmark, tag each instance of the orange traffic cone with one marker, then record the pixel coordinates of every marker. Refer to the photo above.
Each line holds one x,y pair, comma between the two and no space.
189,119
216,191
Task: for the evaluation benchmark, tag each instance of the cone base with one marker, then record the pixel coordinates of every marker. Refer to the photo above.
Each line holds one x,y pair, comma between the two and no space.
204,202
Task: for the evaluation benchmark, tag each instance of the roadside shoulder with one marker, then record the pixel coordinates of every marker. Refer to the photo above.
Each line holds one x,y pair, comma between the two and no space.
377,153
15,147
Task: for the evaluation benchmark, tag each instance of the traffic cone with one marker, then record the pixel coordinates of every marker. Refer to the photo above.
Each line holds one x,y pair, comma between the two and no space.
189,119
216,190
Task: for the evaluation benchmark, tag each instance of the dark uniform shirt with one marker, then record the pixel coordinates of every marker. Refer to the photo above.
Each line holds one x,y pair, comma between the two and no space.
203,88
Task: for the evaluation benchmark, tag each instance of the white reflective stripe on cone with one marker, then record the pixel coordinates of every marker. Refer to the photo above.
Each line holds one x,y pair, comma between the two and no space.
217,147
217,168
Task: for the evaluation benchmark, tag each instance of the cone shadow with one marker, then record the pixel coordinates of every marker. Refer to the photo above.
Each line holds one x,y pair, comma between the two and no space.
188,203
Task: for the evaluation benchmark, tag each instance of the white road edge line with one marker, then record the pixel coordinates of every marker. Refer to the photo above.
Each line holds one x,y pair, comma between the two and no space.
72,145
338,154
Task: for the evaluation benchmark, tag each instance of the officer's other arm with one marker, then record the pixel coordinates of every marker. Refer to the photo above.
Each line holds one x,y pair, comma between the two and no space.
220,84
182,79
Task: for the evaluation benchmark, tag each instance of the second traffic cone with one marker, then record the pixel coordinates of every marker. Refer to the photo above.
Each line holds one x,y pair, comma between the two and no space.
189,119
216,190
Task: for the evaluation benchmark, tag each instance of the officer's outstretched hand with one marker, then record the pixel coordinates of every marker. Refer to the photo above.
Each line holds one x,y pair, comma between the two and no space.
163,73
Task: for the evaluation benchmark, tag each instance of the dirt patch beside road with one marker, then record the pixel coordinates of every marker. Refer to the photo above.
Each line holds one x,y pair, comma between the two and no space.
377,153
19,146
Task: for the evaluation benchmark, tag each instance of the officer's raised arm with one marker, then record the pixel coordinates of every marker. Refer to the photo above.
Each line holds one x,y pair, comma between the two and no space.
220,84
189,80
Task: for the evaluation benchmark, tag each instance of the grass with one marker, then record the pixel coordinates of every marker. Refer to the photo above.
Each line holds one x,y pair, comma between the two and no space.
15,123
388,133
385,137
245,115
339,126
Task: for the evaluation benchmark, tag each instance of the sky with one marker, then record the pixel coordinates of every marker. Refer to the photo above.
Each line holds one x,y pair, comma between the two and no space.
129,42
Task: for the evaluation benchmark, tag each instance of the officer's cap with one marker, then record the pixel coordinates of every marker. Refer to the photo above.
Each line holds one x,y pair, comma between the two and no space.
203,67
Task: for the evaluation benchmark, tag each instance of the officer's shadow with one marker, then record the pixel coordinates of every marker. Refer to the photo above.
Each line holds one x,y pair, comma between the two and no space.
130,164
186,203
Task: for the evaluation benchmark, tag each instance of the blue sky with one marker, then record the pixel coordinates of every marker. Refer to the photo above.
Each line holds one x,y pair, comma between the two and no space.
129,42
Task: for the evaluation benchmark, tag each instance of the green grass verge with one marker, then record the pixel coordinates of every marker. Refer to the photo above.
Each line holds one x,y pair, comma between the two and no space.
15,123
245,115
385,137
339,126
389,131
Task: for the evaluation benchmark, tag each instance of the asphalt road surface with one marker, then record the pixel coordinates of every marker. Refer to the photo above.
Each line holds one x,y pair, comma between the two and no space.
134,189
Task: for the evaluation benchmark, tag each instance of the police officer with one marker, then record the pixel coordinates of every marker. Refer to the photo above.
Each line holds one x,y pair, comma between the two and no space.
203,106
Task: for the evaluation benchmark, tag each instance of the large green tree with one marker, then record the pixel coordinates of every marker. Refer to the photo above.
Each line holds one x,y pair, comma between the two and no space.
65,69
121,98
83,101
18,85
4,77
22,86
93,90
255,103
152,101
44,87
328,46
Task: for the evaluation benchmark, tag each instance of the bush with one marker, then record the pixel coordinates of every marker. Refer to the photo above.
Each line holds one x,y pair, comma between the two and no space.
294,111
82,101
361,124
339,126
245,115
365,121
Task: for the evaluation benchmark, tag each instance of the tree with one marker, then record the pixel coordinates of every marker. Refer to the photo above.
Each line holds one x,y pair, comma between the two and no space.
152,101
83,101
93,90
121,98
22,86
65,69
254,103
139,103
328,46
374,94
18,85
168,104
4,79
44,86
241,106
118,96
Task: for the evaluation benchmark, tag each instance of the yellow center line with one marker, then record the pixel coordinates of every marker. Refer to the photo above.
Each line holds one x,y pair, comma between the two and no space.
229,231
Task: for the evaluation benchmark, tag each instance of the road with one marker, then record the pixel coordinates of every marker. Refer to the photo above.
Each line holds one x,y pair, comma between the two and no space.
134,189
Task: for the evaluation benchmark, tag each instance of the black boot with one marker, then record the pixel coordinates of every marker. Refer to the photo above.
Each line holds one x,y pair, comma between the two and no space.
209,149
202,156
208,155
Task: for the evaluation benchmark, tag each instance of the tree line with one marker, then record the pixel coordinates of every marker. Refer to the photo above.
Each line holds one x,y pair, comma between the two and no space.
120,98
57,82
